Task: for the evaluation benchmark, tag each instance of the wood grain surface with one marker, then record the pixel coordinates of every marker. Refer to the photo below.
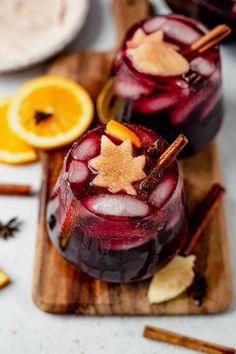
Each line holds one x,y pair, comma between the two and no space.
58,287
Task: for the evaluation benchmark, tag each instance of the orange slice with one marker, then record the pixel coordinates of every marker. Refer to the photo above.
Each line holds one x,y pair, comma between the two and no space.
120,131
108,104
12,149
50,111
4,280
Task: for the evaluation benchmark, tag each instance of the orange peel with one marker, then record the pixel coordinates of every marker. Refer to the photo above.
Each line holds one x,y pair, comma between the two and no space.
120,131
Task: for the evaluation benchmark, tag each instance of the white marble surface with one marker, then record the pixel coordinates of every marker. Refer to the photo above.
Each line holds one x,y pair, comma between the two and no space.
23,327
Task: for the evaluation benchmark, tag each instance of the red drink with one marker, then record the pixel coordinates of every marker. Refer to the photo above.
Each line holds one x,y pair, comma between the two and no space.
210,12
183,99
117,236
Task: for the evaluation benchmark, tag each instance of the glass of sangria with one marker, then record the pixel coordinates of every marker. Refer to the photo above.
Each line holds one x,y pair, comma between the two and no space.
162,83
110,215
210,12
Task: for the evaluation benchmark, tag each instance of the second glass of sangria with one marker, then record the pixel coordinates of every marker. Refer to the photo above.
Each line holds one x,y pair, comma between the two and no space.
162,82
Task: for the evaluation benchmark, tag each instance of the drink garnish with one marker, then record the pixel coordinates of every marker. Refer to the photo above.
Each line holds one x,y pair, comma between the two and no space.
9,228
141,37
205,42
117,168
4,280
163,161
159,59
203,215
121,132
211,38
172,280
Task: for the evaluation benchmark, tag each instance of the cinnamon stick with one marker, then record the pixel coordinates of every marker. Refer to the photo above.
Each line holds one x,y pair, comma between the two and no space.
16,189
211,38
169,337
203,215
172,151
164,160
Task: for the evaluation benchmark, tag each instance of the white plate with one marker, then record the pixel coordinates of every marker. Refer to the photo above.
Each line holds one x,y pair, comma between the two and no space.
24,37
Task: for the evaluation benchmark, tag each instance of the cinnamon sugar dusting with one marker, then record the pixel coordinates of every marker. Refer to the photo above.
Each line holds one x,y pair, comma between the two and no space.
140,37
160,59
117,168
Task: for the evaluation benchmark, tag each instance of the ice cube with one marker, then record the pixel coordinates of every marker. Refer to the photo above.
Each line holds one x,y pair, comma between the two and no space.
86,149
180,32
160,101
186,106
78,172
117,205
163,191
128,87
154,24
202,66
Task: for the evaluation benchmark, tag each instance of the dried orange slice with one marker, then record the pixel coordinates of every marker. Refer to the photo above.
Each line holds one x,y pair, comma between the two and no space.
12,149
120,131
50,111
108,104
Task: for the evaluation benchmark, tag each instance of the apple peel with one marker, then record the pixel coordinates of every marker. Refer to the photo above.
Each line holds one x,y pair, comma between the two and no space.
172,280
158,60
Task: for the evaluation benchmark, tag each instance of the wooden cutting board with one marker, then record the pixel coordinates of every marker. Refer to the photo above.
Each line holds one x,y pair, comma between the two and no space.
60,288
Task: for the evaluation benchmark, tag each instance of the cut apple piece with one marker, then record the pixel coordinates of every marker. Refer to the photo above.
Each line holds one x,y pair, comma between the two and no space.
117,168
158,60
4,280
172,280
121,132
140,37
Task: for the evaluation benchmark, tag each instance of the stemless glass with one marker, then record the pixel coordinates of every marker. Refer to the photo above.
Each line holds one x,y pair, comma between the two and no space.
117,237
190,103
210,12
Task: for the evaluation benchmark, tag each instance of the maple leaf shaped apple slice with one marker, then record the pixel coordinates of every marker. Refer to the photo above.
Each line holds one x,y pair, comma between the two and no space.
117,168
158,60
140,37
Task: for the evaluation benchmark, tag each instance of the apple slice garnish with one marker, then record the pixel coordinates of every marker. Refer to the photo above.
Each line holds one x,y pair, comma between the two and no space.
172,280
158,60
141,37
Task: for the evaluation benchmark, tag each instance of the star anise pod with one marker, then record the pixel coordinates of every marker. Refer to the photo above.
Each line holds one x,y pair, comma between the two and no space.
10,228
40,116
